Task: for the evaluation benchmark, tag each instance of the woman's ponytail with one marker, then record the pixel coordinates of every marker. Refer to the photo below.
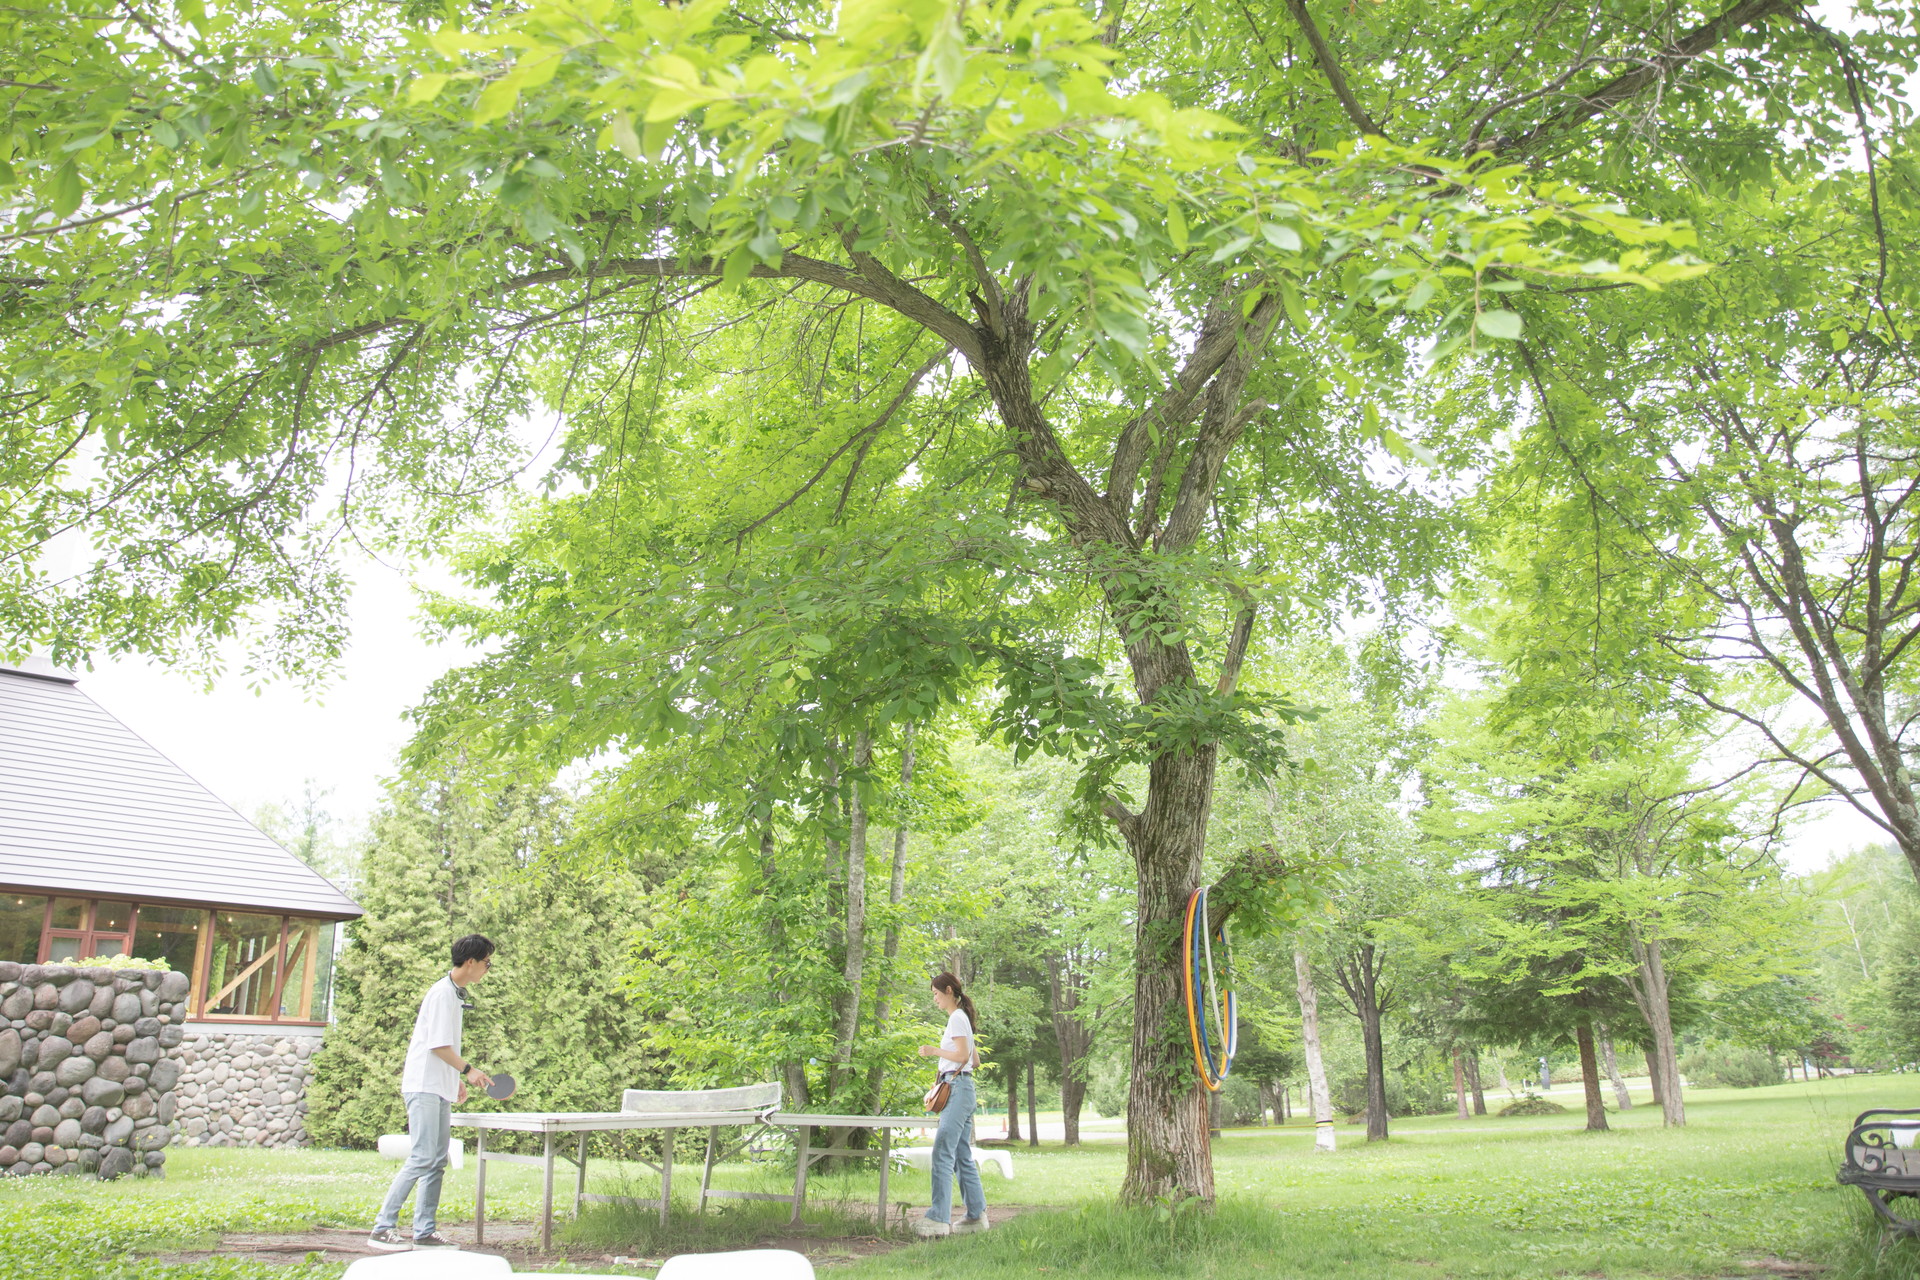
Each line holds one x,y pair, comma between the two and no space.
951,985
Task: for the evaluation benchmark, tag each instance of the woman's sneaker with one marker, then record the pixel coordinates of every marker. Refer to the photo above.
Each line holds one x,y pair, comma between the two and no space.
967,1226
388,1239
433,1240
928,1229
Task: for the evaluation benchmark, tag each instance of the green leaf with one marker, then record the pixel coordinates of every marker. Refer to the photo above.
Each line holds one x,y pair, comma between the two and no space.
624,137
68,190
1499,323
426,88
1295,309
496,99
1177,227
1281,236
740,264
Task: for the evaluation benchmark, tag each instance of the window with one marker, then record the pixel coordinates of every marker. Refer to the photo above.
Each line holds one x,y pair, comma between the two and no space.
23,918
244,965
243,974
172,934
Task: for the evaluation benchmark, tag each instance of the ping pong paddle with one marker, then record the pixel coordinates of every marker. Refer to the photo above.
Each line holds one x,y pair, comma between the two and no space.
502,1087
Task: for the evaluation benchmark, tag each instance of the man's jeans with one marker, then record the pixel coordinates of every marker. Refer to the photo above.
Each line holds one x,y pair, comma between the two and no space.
430,1122
953,1150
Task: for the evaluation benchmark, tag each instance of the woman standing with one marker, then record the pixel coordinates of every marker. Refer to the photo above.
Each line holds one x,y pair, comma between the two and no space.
952,1144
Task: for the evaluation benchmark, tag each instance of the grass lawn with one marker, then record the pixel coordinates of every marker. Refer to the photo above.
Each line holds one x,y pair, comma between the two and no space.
1746,1189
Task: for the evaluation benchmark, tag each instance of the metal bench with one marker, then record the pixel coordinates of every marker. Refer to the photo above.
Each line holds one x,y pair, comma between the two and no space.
1880,1159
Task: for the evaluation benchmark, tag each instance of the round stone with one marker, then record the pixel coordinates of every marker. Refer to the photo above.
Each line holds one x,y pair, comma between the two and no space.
33,1153
71,1108
67,1133
169,1037
59,1023
144,1049
153,1139
102,1003
147,1027
75,996
54,1050
45,1114
122,1032
98,1045
165,1111
9,971
11,1108
14,1007
8,1155
47,997
9,1051
75,1071
126,1007
114,1162
83,1029
18,1133
115,1068
102,1092
173,986
118,1131
42,1083
93,1120
139,1107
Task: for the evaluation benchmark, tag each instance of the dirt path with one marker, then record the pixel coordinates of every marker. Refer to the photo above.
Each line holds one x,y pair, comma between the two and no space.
518,1242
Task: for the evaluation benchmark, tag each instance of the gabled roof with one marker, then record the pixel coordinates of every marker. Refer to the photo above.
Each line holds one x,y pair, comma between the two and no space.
88,807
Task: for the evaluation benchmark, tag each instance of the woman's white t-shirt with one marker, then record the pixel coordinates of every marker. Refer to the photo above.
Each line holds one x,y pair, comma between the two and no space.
958,1025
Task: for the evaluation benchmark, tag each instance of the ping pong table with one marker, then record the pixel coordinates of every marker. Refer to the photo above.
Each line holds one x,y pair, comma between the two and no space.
753,1107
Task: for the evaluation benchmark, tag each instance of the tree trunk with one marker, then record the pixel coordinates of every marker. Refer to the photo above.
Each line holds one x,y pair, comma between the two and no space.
1358,974
1376,1074
1649,987
1168,1152
1064,987
1033,1118
1319,1102
853,971
1590,1077
896,894
1213,1115
1013,1102
1653,1078
1500,1065
1473,1083
1620,1094
1460,1084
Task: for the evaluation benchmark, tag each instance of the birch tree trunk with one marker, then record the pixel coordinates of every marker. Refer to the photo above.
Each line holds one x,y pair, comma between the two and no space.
1318,1100
853,970
1649,988
1620,1094
896,894
1459,1084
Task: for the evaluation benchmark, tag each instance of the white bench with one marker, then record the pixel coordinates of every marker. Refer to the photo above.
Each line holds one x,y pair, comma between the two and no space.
454,1264
921,1158
398,1146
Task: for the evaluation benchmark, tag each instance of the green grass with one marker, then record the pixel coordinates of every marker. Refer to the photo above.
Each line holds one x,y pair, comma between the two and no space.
1749,1178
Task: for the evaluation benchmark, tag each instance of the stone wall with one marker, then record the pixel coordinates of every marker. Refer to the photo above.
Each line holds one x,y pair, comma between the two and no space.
243,1090
86,1077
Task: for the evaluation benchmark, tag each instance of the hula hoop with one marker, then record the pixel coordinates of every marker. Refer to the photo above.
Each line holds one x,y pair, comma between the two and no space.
1205,1001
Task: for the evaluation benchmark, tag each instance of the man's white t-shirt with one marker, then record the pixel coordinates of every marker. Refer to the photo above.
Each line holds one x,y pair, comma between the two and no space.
958,1024
436,1026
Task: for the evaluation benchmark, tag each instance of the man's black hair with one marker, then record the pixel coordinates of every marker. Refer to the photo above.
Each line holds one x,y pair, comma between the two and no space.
471,947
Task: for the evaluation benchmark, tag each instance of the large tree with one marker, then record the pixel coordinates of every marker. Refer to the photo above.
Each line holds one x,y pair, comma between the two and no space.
276,267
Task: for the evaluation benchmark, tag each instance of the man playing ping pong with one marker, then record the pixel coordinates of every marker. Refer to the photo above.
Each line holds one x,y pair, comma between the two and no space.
434,1078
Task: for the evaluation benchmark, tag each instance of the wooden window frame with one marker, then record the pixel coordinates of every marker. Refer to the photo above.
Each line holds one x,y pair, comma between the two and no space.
200,976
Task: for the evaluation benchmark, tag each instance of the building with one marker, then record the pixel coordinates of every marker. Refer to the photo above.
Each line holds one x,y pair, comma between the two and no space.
109,848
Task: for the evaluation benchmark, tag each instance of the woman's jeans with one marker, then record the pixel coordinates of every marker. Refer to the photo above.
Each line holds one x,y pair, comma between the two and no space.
430,1122
953,1149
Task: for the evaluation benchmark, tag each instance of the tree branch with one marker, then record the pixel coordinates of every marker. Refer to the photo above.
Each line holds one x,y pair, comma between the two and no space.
1631,83
1330,67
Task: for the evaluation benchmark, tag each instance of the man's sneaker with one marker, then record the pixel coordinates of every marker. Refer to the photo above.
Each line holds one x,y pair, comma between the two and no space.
433,1240
927,1229
388,1239
967,1226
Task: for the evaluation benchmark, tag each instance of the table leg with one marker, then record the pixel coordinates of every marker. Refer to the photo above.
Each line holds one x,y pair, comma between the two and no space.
480,1186
546,1201
886,1162
706,1175
580,1174
666,1176
800,1174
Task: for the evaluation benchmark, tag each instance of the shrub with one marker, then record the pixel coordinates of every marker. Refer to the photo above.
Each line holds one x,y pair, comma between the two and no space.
1532,1105
1725,1066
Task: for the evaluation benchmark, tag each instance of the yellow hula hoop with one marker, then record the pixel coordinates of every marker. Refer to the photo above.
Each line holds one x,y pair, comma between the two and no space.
1186,985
